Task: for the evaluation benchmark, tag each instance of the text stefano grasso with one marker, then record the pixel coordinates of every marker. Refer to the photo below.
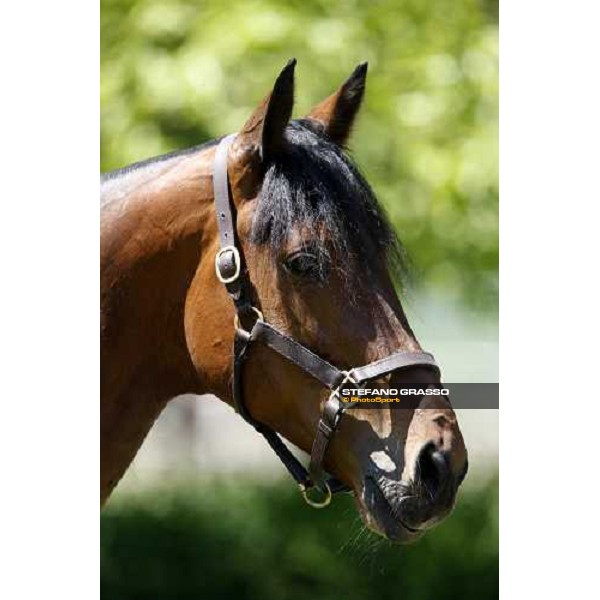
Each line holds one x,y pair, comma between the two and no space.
408,391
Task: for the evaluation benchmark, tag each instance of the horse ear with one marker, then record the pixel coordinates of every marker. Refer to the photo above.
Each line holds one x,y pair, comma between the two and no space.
262,135
336,114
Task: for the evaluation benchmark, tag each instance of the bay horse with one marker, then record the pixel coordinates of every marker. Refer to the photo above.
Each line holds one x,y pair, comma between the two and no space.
273,236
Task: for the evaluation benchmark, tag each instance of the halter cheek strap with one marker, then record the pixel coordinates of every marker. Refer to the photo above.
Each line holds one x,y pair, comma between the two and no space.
231,271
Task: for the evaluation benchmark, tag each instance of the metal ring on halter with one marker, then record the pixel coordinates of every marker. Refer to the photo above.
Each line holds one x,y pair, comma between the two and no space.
304,490
236,319
236,259
348,377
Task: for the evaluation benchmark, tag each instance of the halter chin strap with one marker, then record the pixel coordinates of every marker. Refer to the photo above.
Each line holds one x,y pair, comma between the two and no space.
231,271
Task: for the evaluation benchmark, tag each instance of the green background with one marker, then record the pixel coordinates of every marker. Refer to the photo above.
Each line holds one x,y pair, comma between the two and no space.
176,73
243,540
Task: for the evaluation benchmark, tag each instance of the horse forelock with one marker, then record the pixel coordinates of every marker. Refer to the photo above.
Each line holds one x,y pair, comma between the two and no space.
314,185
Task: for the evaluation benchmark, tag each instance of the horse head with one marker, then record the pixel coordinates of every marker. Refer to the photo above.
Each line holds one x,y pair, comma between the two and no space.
322,261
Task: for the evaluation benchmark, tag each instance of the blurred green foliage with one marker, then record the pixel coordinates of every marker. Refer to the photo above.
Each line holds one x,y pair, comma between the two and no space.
178,72
244,541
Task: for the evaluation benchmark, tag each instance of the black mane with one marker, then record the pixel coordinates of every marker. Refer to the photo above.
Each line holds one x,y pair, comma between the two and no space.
312,183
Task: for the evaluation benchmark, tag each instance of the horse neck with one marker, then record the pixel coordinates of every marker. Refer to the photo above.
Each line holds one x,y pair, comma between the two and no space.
153,224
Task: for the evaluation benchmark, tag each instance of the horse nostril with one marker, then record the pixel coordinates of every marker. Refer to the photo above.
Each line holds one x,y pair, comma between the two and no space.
432,470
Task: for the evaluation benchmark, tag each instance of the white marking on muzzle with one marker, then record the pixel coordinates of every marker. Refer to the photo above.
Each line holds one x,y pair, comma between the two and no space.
383,461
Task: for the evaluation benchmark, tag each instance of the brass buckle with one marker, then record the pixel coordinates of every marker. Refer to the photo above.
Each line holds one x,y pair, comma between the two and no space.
315,503
236,259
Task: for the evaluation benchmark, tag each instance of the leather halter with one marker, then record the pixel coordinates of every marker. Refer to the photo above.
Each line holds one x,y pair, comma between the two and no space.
231,271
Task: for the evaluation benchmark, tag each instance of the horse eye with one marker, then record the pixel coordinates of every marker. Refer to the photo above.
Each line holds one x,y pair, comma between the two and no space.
305,264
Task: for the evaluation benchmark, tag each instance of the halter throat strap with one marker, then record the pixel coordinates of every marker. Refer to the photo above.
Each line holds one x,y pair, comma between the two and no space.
232,273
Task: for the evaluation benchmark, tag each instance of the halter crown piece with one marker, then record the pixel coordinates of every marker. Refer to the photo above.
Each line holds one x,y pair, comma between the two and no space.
232,273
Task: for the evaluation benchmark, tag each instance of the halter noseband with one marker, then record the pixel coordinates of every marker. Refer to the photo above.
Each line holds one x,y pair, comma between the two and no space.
232,272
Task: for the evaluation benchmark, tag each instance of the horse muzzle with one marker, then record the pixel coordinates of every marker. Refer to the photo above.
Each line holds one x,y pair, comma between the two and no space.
403,510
